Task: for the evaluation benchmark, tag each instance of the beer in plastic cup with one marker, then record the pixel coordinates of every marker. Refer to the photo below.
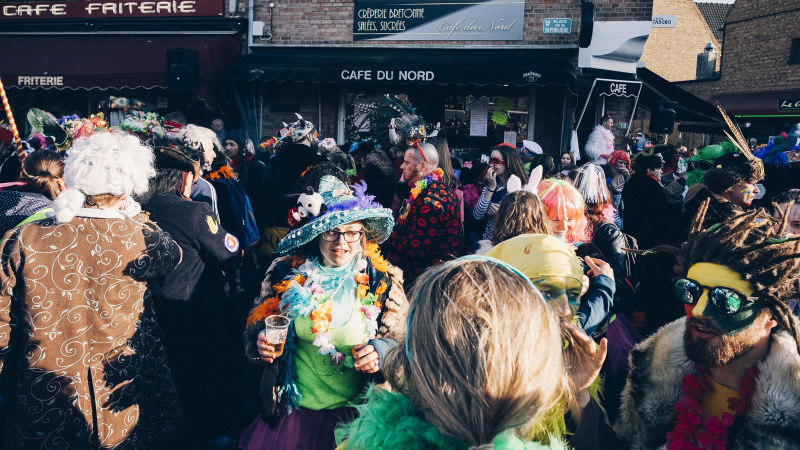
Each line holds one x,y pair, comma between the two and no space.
275,332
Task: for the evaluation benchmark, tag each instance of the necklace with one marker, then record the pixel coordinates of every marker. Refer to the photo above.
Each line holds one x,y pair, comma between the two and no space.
691,431
419,186
302,293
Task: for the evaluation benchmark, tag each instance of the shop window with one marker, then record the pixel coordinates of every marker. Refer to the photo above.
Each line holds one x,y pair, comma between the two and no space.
794,53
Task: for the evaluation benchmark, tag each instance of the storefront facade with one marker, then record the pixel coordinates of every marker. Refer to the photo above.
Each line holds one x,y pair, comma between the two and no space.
81,57
484,71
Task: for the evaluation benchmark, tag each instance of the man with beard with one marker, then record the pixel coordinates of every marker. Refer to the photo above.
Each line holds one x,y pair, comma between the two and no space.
428,229
727,375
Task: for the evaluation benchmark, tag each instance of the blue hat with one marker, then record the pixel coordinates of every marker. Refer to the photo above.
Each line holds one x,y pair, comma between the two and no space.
342,205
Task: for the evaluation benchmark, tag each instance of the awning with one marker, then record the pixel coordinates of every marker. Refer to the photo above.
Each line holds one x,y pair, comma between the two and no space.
690,108
418,66
774,103
111,62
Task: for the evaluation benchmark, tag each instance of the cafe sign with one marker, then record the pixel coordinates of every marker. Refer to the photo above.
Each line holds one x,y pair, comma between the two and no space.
82,9
438,20
789,104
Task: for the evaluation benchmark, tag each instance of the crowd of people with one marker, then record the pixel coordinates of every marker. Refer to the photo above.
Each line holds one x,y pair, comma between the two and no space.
167,285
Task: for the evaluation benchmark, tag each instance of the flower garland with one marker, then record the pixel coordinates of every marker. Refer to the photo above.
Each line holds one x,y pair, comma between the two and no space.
301,294
691,431
419,186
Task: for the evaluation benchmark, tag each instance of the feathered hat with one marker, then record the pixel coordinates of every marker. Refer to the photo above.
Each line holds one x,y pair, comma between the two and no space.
336,204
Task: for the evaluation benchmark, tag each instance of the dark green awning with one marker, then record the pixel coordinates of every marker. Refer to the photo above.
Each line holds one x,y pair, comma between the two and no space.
414,66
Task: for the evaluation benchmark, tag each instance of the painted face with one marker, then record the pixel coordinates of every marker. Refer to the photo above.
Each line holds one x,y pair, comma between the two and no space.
231,148
609,123
793,221
562,226
410,167
339,252
566,160
497,162
564,293
713,338
621,165
742,193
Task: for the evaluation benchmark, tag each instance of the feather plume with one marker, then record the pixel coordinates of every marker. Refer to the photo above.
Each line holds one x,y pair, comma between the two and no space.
735,134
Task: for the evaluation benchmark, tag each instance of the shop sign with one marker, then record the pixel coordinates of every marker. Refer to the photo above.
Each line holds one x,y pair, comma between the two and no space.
387,75
664,21
438,20
82,9
39,80
789,104
617,88
557,26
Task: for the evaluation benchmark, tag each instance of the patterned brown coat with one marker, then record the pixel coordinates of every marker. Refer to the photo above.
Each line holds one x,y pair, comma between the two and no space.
81,357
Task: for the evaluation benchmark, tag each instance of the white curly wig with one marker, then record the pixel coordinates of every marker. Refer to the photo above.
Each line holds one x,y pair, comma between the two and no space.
115,163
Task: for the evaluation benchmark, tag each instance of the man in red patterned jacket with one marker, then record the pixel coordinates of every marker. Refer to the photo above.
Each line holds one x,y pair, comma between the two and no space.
428,229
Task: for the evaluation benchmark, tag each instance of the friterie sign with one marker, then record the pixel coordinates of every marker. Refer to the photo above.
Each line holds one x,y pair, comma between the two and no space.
81,9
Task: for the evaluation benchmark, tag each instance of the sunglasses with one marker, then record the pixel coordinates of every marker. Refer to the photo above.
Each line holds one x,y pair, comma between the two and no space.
496,162
726,300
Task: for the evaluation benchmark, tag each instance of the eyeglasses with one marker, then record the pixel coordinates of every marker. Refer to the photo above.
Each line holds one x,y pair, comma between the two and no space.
726,300
496,162
349,236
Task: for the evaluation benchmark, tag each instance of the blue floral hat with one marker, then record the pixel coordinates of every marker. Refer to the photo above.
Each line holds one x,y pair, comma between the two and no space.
335,204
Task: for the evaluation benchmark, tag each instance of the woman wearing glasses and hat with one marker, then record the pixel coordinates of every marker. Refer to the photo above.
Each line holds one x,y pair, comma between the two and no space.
346,308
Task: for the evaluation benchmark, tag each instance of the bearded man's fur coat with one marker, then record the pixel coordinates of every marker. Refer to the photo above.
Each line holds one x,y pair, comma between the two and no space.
657,366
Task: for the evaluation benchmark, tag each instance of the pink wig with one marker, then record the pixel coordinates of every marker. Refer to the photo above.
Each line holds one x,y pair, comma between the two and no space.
617,156
562,202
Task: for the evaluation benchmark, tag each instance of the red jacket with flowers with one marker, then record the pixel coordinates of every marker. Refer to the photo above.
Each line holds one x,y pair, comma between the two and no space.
431,233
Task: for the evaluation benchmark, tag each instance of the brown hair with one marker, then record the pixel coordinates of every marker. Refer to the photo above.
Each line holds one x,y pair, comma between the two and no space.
520,212
445,163
513,162
469,365
102,200
750,244
41,171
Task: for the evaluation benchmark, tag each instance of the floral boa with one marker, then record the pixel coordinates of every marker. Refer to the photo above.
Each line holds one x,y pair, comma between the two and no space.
691,431
419,186
300,294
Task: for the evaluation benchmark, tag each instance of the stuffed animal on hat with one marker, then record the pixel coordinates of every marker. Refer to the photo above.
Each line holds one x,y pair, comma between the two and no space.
309,204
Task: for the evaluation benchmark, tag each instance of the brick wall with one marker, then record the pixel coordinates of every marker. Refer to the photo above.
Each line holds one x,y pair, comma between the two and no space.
672,52
758,37
330,22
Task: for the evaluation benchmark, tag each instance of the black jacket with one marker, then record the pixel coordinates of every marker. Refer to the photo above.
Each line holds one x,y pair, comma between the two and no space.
206,246
649,215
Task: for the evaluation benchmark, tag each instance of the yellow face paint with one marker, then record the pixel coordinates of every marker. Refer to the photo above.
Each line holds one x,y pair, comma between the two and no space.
718,275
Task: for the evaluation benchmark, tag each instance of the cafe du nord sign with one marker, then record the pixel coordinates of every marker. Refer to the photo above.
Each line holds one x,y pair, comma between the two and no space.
438,20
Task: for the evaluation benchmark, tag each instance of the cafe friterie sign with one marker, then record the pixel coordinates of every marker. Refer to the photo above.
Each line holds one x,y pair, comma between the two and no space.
82,9
438,20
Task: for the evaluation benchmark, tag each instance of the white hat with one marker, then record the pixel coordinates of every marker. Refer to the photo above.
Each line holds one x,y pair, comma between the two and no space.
115,163
532,146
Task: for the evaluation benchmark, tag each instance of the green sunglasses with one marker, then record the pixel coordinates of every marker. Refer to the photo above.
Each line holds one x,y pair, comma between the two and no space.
726,300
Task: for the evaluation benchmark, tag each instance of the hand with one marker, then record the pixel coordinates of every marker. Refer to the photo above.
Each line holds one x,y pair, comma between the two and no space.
589,360
599,267
491,179
265,350
367,360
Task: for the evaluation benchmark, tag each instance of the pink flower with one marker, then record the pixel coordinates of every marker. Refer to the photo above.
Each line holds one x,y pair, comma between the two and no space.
371,312
337,358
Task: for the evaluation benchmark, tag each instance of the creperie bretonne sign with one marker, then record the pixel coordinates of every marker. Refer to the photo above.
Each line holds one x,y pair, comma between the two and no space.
75,9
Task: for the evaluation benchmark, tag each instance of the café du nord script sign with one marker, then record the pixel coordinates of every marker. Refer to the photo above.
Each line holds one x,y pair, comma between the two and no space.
438,20
83,9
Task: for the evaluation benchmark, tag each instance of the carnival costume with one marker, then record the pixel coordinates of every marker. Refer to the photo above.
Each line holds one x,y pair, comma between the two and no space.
314,379
429,228
599,144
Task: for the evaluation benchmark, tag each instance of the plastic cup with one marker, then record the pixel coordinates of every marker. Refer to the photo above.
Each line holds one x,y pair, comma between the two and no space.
275,332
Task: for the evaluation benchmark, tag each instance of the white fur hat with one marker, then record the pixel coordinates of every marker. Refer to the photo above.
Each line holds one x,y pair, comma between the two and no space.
115,163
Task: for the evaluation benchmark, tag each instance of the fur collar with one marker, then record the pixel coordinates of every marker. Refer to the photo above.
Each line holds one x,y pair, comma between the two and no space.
657,366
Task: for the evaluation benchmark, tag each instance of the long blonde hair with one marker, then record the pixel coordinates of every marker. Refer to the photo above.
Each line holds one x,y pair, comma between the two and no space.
483,352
